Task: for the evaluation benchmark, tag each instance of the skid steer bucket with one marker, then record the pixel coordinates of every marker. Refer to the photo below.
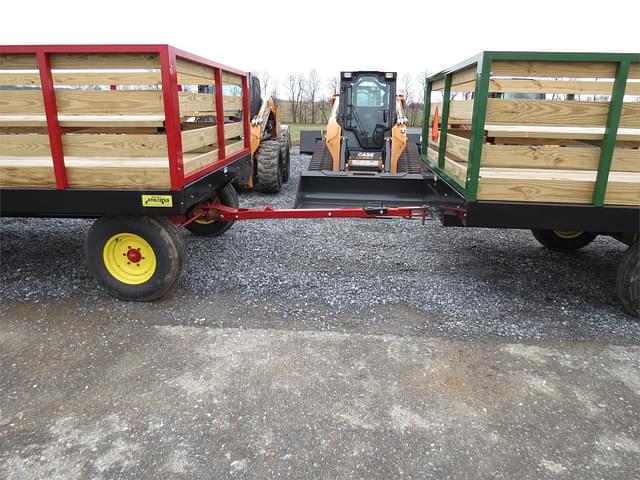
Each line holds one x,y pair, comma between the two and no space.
323,189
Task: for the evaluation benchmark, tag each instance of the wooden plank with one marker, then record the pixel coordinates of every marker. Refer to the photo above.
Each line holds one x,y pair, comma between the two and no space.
622,189
19,78
457,170
460,112
232,130
632,88
186,79
232,103
558,113
148,77
118,173
119,121
105,60
231,78
557,86
524,68
23,173
564,132
25,145
109,102
437,85
27,102
634,70
87,172
42,130
457,147
233,147
197,161
555,186
469,74
464,87
562,158
21,102
11,61
626,160
82,144
196,103
202,137
194,70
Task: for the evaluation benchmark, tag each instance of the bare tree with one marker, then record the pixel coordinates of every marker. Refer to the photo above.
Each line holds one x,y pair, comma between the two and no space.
265,79
292,94
301,86
313,84
274,88
333,83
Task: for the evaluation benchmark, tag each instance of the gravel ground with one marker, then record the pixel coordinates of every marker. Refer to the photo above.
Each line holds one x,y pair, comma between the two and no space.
331,349
350,275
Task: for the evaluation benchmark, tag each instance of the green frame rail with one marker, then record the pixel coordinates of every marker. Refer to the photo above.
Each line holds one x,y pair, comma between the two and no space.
483,62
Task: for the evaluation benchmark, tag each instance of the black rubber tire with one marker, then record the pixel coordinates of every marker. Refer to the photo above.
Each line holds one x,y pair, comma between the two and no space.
553,241
285,153
628,280
167,245
268,165
228,196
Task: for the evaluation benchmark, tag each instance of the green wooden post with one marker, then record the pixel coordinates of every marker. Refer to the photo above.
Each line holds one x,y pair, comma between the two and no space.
477,126
426,115
444,124
611,132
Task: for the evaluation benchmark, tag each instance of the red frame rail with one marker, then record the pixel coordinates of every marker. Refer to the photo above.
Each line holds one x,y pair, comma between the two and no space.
225,213
169,80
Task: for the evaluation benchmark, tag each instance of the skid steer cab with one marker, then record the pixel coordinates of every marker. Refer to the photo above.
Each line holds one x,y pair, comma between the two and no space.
366,136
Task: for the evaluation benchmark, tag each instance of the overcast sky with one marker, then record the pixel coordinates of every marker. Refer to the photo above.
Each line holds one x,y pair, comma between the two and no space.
331,35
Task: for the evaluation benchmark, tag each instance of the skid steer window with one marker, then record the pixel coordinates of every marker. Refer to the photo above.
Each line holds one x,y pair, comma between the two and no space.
369,92
368,114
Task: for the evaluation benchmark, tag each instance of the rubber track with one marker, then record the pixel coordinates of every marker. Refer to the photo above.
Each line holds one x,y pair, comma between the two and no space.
409,161
321,158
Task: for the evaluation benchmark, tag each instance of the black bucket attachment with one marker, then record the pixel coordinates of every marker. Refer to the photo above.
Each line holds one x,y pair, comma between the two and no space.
325,189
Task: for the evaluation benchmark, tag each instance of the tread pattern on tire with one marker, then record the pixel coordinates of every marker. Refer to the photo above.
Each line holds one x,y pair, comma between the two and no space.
160,233
285,153
269,173
628,280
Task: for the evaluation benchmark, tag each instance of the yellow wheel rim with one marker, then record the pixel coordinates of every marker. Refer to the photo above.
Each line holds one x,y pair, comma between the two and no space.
129,258
207,216
568,234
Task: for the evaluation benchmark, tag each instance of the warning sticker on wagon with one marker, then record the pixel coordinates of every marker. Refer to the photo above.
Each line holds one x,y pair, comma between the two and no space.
157,201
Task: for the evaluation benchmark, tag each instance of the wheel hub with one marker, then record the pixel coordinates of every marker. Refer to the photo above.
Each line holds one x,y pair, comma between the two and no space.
129,258
134,255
